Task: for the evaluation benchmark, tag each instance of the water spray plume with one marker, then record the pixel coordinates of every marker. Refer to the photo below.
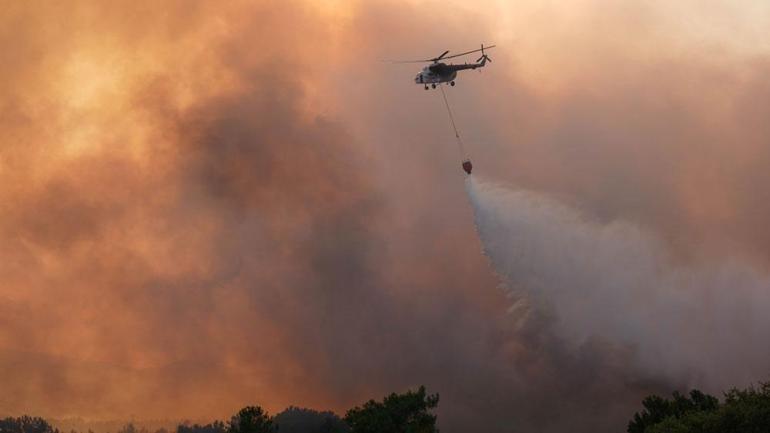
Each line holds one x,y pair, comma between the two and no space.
705,324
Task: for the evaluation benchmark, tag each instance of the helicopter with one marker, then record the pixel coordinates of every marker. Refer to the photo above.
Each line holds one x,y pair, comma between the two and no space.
439,72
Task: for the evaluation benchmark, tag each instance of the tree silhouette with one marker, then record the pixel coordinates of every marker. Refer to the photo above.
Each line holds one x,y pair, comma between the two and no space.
298,420
26,424
398,413
250,419
743,411
657,409
128,428
214,427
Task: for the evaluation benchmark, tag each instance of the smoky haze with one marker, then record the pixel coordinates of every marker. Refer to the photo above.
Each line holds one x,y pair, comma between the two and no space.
215,206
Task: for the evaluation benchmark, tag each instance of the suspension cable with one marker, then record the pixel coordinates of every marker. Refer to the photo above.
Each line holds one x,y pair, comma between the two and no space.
460,144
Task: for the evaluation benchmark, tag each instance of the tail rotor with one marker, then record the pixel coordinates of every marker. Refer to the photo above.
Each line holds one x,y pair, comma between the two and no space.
484,57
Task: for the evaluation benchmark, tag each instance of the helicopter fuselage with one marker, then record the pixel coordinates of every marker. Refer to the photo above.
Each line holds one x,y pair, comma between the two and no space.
437,72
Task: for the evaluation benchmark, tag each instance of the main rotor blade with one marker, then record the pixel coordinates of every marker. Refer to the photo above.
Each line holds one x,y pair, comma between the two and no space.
435,59
409,61
441,56
469,52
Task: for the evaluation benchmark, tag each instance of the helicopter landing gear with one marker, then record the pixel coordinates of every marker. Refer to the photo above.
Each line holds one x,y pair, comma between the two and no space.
433,85
452,83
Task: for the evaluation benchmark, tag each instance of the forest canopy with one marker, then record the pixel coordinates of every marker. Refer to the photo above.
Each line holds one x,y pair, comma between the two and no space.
410,412
742,411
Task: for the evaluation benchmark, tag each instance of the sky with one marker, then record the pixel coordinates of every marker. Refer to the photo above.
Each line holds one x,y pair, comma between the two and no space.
205,205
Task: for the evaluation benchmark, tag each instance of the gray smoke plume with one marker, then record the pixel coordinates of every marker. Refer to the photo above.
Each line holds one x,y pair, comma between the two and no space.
702,324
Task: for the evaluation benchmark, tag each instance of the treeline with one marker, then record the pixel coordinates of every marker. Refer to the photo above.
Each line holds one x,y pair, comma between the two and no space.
396,413
742,411
26,424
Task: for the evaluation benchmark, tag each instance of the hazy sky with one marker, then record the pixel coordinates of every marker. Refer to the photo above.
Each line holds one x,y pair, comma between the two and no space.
204,206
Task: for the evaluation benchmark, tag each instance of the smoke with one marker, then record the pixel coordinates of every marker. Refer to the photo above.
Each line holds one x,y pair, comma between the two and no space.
218,205
701,324
175,213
